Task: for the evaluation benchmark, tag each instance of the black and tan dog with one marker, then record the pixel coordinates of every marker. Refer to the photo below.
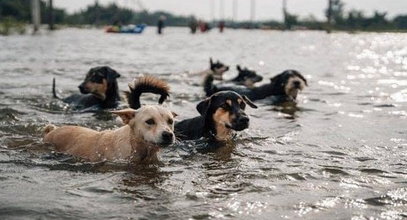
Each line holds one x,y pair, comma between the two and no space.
99,90
216,69
245,77
220,115
283,87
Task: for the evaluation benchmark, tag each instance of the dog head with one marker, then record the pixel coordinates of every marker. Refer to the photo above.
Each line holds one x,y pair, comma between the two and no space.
246,77
218,69
289,83
225,111
98,81
151,124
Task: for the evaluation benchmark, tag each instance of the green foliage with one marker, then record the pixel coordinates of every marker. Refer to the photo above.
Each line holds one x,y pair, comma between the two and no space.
9,25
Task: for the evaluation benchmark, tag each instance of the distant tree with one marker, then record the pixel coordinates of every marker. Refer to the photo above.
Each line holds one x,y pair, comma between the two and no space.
290,20
335,12
400,22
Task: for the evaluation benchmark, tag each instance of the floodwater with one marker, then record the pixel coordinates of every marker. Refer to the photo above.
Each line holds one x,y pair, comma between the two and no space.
340,154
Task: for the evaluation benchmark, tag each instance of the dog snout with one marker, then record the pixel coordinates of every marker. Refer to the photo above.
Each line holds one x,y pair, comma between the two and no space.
297,84
241,123
167,137
243,120
82,88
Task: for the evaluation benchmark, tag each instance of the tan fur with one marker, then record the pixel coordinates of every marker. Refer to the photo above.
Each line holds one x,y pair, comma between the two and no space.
229,102
136,140
249,83
290,89
221,118
49,128
98,89
217,74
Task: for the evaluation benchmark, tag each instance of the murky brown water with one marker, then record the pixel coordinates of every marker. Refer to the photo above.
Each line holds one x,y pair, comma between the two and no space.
341,155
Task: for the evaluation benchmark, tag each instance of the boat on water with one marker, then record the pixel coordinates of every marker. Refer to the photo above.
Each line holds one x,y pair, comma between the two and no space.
128,29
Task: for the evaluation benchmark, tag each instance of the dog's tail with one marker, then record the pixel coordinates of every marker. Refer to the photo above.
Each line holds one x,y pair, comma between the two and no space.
48,128
146,84
208,85
54,92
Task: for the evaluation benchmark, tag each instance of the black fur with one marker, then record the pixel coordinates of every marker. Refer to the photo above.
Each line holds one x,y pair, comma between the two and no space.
204,125
274,88
146,85
89,100
245,74
213,66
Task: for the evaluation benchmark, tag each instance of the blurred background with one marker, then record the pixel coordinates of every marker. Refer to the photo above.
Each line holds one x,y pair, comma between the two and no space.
366,15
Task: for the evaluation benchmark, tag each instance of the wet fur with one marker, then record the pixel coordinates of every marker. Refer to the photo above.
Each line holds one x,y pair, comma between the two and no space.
147,84
281,86
216,69
219,116
136,141
101,94
245,77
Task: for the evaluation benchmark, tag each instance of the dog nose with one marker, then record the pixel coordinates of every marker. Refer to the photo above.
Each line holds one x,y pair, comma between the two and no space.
243,120
81,88
297,84
167,136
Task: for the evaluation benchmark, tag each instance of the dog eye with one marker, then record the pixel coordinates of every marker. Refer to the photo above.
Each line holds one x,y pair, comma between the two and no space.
242,105
150,121
225,106
170,121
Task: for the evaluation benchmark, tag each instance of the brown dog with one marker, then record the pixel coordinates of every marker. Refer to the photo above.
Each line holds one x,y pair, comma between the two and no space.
146,130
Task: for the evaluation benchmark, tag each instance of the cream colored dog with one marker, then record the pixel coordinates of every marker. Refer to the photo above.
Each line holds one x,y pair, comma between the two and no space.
145,131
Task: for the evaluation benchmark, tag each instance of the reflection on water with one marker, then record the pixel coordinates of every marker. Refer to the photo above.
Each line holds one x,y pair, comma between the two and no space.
339,151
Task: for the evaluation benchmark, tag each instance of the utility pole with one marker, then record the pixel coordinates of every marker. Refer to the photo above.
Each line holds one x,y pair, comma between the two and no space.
36,14
252,11
97,12
329,16
222,10
212,5
285,13
234,16
50,15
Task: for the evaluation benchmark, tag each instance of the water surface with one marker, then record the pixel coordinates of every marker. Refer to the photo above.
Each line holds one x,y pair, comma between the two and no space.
340,154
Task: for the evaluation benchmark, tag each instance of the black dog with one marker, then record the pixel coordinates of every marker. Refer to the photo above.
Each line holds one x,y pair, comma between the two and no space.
245,77
99,90
285,87
219,115
216,69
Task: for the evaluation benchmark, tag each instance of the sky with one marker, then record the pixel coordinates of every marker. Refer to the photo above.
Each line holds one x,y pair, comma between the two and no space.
265,9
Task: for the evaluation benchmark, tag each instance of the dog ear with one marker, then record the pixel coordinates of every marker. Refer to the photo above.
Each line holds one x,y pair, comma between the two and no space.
301,77
174,114
238,68
125,114
210,61
249,102
111,74
203,106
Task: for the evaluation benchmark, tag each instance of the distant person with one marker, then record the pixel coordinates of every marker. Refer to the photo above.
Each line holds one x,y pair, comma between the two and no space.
160,24
207,27
204,26
221,26
193,25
